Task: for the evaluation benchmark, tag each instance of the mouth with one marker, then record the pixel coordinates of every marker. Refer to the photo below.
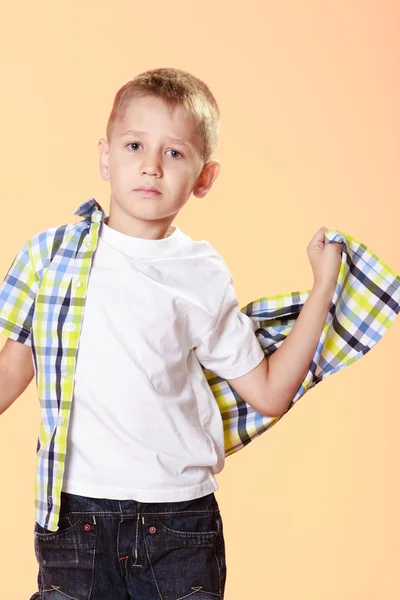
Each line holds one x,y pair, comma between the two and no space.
147,193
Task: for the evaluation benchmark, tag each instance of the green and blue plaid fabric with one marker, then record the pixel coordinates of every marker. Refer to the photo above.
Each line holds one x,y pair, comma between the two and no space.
365,303
42,300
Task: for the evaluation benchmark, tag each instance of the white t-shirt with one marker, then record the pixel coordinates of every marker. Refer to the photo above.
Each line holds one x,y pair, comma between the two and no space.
145,424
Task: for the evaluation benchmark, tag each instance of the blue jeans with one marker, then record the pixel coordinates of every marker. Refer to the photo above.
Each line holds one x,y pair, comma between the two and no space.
127,550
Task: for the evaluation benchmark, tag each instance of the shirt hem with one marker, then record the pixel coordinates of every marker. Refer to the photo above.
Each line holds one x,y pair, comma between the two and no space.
15,332
141,495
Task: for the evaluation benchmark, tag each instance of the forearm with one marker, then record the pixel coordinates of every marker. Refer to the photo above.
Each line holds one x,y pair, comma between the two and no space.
8,390
16,372
288,365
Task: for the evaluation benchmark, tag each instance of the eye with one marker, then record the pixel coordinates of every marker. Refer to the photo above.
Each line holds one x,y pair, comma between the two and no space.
137,144
132,144
176,151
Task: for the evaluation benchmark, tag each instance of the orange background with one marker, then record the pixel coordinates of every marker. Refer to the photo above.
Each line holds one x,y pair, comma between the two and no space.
309,94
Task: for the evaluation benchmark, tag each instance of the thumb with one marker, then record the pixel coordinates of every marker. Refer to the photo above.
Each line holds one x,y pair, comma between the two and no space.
318,240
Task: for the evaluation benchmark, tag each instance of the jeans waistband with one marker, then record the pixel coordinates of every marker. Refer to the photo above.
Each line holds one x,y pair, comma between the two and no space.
85,504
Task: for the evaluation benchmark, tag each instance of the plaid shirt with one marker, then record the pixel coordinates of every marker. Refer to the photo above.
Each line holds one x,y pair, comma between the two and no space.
42,302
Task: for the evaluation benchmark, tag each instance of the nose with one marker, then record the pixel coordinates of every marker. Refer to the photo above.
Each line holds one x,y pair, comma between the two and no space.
151,165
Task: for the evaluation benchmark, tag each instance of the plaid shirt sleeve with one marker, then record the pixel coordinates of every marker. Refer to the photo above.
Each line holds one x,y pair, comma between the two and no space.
17,297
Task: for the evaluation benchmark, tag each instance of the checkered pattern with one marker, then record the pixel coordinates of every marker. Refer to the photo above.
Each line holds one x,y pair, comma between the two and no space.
42,301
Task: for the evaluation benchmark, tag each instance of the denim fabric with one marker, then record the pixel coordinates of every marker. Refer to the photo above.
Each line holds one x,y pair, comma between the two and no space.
127,550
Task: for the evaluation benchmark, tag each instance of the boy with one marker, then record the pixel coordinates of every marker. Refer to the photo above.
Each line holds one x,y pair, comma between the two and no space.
125,507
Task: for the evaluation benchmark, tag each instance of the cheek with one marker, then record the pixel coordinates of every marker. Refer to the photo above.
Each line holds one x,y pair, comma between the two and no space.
184,177
119,170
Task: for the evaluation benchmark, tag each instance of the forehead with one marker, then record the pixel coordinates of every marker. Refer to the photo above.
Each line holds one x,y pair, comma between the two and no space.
156,118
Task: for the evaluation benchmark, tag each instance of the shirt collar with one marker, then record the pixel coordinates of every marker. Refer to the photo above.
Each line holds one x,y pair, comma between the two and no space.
90,208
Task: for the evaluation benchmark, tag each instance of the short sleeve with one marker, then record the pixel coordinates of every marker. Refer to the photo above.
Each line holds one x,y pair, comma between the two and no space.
230,347
17,298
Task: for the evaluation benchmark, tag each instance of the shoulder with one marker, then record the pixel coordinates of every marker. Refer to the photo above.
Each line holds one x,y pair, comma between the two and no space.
56,233
206,278
208,258
44,244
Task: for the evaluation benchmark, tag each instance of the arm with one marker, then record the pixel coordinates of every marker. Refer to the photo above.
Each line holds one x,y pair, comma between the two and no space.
272,385
16,371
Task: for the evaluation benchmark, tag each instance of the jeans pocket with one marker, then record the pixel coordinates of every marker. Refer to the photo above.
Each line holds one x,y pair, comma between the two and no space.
66,558
182,552
64,523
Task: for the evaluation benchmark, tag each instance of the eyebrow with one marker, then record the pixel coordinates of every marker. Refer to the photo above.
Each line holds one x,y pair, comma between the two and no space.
172,139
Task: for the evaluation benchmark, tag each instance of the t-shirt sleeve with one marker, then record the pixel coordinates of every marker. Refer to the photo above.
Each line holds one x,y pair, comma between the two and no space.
17,297
230,347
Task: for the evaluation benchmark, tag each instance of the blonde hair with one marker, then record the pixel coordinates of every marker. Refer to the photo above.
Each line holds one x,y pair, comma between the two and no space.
176,88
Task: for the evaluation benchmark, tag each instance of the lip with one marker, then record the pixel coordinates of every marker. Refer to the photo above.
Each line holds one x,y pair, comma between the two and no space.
148,192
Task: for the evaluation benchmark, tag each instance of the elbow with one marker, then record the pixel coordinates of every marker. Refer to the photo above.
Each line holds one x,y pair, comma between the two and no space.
275,408
277,401
273,414
271,409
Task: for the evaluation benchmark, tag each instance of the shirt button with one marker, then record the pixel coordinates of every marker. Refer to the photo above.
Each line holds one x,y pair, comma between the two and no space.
61,420
70,326
88,243
65,374
78,283
96,217
57,467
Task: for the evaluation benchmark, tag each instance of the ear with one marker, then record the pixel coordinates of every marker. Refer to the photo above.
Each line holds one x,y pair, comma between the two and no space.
103,159
208,175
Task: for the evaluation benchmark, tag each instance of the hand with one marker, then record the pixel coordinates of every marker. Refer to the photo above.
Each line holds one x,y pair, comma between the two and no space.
325,260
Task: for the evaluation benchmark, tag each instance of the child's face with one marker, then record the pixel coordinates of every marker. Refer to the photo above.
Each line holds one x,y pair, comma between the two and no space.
132,160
